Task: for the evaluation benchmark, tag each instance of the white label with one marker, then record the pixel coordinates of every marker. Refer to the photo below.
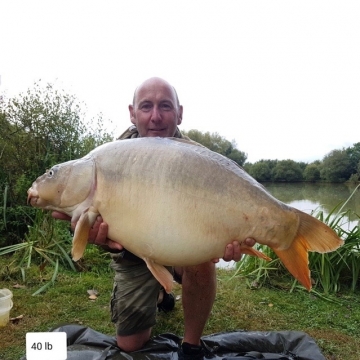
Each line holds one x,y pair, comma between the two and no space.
46,345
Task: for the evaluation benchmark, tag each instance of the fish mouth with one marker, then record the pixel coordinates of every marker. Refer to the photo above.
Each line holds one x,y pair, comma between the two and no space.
33,197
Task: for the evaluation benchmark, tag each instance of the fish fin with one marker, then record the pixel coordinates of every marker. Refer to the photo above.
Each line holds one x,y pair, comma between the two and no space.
161,274
312,235
81,234
319,237
295,258
254,252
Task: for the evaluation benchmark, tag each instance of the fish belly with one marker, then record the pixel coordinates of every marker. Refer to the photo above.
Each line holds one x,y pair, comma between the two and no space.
181,205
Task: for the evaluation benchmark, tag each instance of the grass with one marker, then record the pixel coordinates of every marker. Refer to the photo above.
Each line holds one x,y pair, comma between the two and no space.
333,321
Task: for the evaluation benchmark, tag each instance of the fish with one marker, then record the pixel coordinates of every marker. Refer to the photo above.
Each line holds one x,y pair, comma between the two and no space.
174,203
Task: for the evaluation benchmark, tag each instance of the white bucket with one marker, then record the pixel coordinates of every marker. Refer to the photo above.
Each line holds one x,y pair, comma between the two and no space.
5,306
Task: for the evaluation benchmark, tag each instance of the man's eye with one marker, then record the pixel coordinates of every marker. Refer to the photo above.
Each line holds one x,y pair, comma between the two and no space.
166,106
145,107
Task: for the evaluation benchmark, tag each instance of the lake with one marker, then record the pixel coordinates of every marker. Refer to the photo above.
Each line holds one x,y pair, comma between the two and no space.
308,197
325,197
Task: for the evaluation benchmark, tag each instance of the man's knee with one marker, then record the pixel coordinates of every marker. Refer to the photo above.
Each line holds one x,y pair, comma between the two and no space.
133,342
200,273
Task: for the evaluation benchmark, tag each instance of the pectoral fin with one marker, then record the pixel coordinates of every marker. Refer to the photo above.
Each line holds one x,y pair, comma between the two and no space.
81,234
161,274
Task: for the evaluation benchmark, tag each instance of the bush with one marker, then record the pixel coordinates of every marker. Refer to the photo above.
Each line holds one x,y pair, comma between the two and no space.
42,127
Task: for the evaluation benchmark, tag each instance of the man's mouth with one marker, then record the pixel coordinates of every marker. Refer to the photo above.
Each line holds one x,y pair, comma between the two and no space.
157,131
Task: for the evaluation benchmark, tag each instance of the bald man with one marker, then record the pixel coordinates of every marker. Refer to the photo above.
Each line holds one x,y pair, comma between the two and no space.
156,111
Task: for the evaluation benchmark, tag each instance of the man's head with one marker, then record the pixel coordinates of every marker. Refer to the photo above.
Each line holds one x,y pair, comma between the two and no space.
156,110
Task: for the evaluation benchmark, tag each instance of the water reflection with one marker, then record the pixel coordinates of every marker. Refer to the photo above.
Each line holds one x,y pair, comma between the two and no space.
326,197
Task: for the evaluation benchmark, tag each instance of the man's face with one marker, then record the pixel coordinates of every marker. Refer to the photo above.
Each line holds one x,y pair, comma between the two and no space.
155,111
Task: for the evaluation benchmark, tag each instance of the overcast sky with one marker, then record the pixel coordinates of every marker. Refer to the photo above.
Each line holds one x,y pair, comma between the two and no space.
281,78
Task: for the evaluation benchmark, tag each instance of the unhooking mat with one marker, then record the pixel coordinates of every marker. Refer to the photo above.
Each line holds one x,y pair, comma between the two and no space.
84,343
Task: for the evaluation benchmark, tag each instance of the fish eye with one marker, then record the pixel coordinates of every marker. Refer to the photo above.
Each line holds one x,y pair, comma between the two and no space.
51,173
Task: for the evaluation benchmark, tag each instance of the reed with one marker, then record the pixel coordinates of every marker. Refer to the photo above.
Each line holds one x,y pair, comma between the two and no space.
47,243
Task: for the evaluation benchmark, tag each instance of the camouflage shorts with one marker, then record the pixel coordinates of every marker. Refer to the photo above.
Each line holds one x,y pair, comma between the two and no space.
134,297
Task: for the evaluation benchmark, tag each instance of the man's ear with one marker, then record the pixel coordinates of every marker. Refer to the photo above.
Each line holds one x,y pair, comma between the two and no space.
132,114
180,115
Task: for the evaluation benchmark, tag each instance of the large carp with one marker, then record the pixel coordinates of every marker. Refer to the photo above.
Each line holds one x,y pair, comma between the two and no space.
171,202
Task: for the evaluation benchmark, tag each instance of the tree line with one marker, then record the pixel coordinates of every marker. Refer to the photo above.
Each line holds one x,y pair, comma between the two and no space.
339,165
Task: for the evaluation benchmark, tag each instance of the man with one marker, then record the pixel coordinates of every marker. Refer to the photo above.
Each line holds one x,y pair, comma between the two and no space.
156,111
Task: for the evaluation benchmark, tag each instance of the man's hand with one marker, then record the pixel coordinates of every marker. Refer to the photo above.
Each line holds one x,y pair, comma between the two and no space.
97,234
233,250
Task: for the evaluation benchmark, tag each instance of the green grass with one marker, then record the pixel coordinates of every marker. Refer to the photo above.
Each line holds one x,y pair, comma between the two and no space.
333,322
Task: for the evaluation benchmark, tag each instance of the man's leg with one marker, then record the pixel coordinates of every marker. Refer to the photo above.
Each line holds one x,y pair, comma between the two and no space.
133,303
133,342
198,295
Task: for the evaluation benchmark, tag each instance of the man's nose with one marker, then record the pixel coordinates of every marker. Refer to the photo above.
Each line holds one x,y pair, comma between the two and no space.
155,114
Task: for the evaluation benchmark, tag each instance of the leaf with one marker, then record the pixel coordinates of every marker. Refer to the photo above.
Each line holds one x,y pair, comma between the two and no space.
15,320
18,286
93,292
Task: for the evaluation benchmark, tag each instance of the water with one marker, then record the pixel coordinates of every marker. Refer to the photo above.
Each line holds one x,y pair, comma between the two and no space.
314,197
319,197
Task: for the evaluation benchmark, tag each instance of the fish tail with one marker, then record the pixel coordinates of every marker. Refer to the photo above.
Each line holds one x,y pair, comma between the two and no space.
312,235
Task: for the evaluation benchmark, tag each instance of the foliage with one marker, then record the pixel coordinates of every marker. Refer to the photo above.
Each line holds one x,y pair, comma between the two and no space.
354,178
287,170
42,127
341,266
261,171
353,153
336,166
219,144
312,173
48,242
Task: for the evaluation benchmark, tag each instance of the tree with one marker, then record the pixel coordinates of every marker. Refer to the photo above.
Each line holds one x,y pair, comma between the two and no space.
287,170
336,166
42,127
354,156
261,171
312,172
219,144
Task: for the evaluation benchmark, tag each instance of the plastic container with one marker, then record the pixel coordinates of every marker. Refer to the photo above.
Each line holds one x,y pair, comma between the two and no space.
5,306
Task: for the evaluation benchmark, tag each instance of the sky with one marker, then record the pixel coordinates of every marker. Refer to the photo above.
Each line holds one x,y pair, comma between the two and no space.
281,78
